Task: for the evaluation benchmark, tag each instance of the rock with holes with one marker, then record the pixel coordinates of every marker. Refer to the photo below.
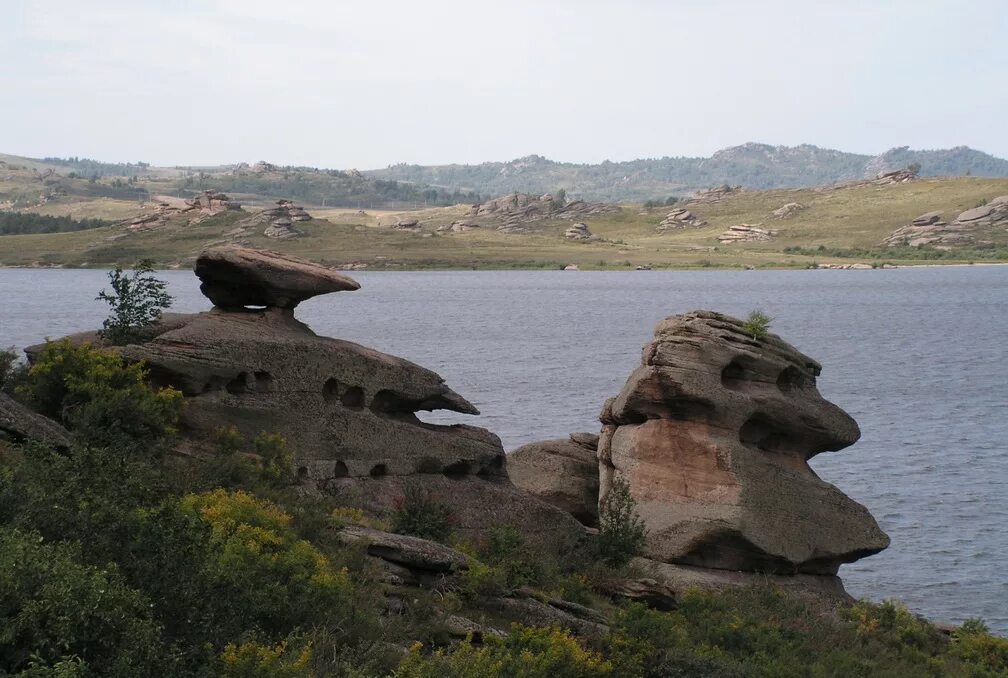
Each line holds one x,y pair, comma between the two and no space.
561,472
347,412
713,433
235,277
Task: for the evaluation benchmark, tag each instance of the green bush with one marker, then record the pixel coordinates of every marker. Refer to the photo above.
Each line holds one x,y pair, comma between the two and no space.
271,580
56,610
265,661
621,533
525,652
94,393
757,324
420,514
136,302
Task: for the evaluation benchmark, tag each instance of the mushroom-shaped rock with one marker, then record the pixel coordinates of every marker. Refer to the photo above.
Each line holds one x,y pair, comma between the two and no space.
235,277
713,433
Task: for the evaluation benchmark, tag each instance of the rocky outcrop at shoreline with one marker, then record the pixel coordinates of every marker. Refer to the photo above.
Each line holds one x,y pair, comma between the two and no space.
713,434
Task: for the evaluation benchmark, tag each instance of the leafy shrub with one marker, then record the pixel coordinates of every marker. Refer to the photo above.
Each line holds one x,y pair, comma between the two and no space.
8,365
975,646
757,324
276,461
420,514
505,563
54,608
136,302
525,652
272,580
104,400
265,661
622,534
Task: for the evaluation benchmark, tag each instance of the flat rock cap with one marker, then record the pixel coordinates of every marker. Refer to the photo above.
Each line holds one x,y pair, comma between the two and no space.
235,277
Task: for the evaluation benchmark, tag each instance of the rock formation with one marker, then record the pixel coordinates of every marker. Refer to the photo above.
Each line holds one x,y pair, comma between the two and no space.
348,412
788,210
508,212
18,423
713,433
579,232
931,229
212,202
715,194
561,472
237,277
278,220
410,225
745,233
900,176
458,227
680,218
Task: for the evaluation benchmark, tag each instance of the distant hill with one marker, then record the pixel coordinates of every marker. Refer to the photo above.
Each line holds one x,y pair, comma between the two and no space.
758,166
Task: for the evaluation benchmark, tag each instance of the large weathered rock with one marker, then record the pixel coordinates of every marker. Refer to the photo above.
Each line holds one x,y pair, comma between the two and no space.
713,434
412,553
561,472
969,227
235,277
20,424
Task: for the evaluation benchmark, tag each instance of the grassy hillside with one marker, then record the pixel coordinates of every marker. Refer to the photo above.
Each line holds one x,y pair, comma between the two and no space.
839,225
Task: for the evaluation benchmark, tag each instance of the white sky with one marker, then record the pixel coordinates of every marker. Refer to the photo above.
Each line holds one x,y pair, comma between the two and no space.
368,83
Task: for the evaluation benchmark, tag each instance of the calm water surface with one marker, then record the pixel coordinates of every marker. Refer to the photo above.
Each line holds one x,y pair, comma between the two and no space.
917,356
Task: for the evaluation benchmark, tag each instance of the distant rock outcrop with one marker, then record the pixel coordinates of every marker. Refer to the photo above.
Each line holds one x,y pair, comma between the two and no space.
715,194
745,233
279,220
212,202
680,218
713,433
579,232
900,176
788,210
931,229
509,212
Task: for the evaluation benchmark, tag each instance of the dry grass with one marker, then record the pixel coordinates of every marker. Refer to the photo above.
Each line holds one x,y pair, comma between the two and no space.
848,217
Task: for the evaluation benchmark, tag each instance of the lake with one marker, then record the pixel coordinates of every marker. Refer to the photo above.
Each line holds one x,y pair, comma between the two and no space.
918,356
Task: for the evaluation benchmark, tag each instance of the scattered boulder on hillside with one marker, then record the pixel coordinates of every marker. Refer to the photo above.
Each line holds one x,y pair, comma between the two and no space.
561,472
680,218
212,202
409,225
458,227
579,232
347,412
153,216
931,229
509,212
713,433
20,424
714,194
788,210
745,233
900,176
278,220
262,167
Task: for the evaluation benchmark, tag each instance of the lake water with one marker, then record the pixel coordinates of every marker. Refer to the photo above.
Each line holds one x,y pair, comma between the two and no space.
918,356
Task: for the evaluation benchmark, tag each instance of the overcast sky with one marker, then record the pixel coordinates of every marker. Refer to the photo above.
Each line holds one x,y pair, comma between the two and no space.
369,83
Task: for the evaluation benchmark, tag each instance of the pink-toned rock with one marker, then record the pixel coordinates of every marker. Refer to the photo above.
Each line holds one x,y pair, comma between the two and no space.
235,277
713,433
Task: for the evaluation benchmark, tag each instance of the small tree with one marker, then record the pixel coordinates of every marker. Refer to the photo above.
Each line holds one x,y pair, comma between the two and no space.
622,534
757,324
136,300
561,197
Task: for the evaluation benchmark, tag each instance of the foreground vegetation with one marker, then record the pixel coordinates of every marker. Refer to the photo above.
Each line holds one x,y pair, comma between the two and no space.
120,557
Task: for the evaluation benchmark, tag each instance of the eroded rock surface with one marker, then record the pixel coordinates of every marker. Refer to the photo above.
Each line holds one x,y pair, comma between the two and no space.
20,424
713,433
561,472
969,227
235,277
